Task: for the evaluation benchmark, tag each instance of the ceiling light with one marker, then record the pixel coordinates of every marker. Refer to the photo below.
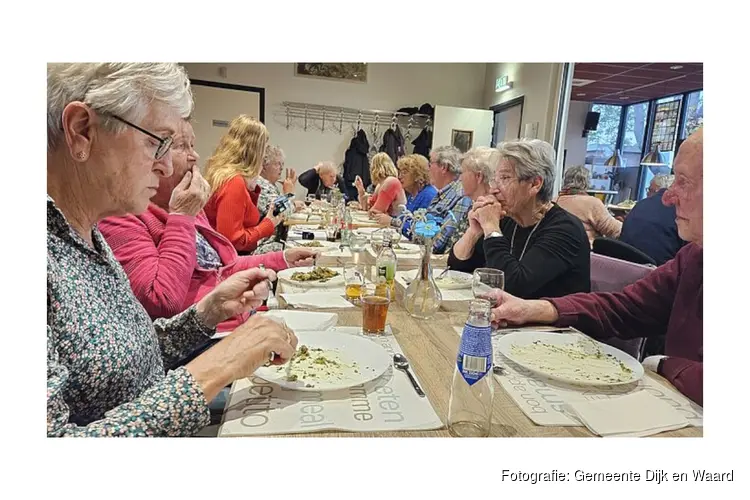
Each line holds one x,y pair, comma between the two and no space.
623,98
654,158
615,160
679,66
581,94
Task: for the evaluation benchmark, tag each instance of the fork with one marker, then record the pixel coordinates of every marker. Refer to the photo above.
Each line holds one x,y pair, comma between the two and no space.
447,268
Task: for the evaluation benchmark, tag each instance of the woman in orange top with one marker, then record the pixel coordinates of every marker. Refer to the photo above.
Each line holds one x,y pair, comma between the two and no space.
232,171
389,193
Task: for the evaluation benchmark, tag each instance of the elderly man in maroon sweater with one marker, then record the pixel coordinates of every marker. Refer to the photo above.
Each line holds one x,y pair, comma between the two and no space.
669,299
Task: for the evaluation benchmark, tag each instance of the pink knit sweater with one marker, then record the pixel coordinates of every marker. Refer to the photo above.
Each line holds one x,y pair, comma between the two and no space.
157,251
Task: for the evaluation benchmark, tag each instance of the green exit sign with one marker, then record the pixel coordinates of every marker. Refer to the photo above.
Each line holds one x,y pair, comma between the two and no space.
501,83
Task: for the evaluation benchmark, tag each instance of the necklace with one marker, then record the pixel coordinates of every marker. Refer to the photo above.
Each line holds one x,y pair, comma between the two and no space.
513,236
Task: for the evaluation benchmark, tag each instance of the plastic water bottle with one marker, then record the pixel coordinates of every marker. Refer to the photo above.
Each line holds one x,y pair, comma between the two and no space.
472,391
346,230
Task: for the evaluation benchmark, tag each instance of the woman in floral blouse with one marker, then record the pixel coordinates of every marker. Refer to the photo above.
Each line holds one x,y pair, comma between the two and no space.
109,132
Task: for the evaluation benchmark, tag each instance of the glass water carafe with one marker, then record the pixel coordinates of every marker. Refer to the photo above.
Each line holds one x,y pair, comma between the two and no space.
423,298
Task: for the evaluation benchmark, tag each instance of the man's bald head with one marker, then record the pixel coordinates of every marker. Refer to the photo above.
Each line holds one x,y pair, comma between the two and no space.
686,193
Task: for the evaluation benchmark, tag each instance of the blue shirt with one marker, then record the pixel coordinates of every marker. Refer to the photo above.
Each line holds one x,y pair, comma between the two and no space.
421,200
651,228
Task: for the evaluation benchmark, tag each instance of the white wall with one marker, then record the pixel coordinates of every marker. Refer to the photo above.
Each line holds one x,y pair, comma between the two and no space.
537,82
574,143
389,87
448,118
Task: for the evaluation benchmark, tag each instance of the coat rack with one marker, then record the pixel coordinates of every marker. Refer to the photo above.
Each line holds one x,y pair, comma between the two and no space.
332,118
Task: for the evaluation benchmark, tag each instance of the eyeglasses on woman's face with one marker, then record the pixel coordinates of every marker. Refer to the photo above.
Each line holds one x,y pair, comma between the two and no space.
164,142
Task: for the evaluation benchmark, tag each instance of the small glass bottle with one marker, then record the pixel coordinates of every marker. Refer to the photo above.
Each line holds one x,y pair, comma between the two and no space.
385,267
472,391
423,297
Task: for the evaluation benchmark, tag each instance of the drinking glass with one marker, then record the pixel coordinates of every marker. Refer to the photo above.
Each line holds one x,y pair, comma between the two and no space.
354,278
486,279
375,302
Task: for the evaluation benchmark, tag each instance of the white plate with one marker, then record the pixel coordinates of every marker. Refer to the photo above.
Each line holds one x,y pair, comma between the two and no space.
564,370
368,230
370,358
407,248
456,280
326,246
286,275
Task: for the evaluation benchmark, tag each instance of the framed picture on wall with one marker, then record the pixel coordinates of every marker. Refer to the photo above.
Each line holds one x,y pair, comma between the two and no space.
462,139
352,72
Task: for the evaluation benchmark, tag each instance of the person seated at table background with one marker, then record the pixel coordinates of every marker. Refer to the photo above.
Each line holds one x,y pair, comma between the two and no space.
232,172
414,176
444,169
596,219
109,131
542,249
667,300
322,179
171,254
388,194
651,225
478,167
273,165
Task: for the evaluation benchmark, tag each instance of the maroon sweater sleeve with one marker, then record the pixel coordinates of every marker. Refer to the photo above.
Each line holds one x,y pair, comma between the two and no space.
640,310
159,274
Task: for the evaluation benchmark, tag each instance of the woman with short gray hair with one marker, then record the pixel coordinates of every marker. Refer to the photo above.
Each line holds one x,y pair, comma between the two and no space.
542,249
590,210
110,370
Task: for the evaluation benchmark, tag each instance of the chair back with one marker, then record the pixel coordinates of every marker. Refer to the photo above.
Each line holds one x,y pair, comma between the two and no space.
620,250
612,275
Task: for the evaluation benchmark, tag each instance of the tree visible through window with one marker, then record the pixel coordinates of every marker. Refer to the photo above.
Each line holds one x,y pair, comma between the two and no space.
601,142
693,113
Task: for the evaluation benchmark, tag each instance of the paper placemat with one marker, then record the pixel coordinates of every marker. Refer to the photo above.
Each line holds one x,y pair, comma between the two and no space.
543,400
256,407
320,299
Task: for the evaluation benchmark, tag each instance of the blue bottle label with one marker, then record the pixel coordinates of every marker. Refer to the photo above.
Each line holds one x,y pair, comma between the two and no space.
475,353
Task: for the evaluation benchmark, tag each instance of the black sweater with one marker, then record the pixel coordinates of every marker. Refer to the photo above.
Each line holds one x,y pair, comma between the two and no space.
556,262
311,181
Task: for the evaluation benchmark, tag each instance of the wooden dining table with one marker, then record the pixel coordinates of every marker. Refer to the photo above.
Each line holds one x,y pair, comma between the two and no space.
431,346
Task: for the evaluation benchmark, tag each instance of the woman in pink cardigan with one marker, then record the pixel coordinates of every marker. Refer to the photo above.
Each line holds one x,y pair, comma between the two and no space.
171,254
669,299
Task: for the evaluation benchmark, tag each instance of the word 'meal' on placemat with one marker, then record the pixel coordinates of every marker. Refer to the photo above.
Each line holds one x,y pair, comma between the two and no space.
389,403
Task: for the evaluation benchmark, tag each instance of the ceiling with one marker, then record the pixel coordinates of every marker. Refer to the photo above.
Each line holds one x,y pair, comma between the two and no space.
628,83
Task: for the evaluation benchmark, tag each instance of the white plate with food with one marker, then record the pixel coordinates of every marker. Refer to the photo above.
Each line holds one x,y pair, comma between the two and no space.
452,280
571,358
319,276
329,361
323,246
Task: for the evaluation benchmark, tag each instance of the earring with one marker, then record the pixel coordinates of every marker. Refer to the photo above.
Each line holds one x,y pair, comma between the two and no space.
81,155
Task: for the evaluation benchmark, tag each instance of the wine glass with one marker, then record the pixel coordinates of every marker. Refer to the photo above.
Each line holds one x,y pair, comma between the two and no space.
309,199
484,280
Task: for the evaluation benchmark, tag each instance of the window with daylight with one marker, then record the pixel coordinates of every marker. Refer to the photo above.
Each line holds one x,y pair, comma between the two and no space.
693,113
602,141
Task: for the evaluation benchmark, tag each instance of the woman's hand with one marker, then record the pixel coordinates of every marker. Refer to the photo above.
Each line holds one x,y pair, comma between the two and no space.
290,181
190,195
359,184
488,214
238,294
254,343
299,257
383,219
276,219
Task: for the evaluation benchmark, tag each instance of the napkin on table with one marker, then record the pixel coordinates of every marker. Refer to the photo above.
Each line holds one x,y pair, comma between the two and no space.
635,414
317,300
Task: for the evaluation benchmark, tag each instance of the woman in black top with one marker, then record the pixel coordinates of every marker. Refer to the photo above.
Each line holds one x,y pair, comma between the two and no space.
542,249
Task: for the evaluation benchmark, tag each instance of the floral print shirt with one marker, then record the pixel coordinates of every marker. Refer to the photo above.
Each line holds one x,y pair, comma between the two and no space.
268,194
105,358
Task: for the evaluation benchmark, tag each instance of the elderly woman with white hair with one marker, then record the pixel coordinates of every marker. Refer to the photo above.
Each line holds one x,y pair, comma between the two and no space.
110,128
596,219
478,167
542,249
322,179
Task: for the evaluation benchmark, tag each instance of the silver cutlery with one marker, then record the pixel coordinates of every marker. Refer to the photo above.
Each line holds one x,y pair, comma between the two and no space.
447,268
400,362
